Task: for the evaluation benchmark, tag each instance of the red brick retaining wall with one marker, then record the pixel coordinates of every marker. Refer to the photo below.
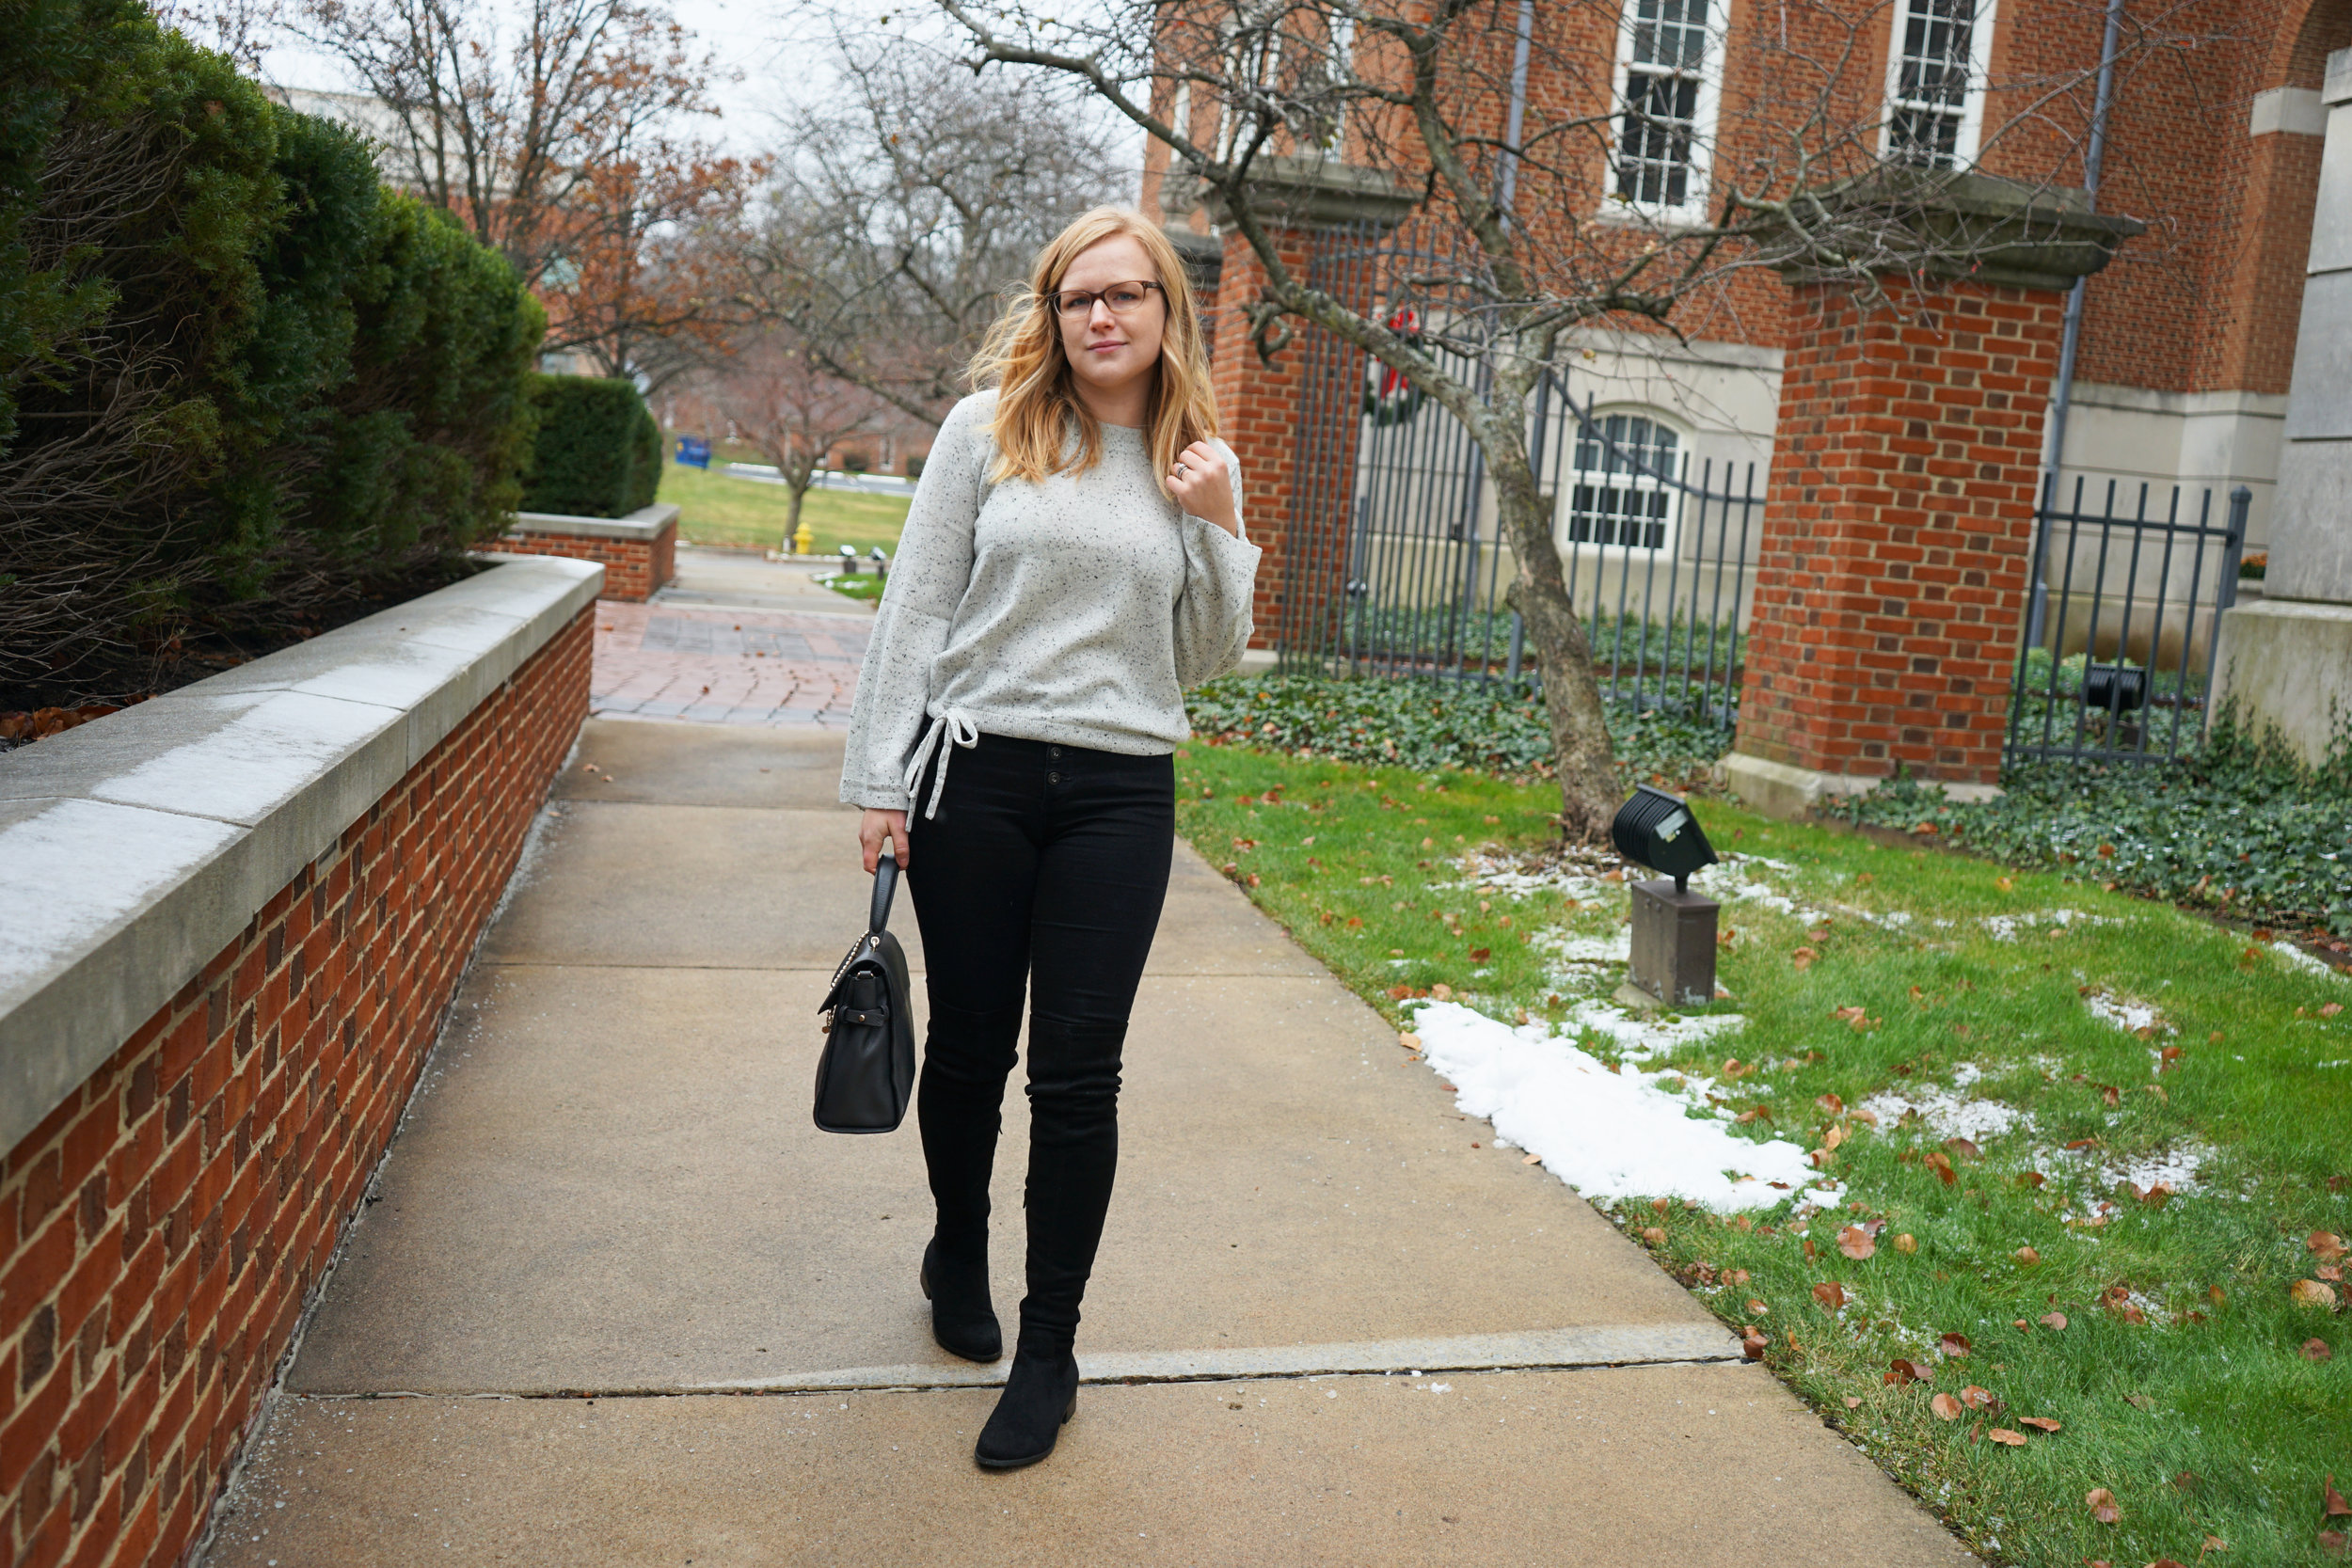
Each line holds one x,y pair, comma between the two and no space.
1891,578
633,568
166,1225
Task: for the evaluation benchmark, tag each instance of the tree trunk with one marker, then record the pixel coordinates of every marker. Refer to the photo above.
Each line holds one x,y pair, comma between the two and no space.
1589,786
792,514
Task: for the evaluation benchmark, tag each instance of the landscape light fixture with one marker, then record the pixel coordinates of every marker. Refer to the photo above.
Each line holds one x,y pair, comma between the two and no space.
2117,687
1673,928
848,561
2120,691
881,561
1656,830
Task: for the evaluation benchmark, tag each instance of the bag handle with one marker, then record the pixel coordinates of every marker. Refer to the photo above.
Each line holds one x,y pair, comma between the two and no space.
885,884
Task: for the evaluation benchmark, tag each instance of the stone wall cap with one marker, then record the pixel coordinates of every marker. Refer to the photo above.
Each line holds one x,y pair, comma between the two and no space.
2336,87
1307,192
1981,227
646,523
134,850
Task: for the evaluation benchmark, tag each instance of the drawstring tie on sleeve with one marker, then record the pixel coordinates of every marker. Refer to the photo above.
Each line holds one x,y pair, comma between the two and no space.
960,731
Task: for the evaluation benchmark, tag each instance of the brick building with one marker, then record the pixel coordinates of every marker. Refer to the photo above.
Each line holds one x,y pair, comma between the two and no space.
1889,584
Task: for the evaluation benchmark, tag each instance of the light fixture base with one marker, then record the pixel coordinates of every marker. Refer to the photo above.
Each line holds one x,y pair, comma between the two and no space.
1674,943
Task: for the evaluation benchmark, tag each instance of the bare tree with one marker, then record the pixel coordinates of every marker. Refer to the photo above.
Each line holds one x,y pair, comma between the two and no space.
790,407
560,142
1545,201
909,201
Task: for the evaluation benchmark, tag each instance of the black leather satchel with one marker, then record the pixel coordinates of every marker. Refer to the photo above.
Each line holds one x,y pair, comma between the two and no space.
866,1073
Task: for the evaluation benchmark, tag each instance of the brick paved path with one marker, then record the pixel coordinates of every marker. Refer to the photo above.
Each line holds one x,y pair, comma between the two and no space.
719,665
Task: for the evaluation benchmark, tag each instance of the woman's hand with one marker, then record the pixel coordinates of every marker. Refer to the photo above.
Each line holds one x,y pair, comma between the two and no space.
1203,486
874,827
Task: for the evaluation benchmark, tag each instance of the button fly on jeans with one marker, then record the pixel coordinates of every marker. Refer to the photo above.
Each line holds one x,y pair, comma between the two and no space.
1053,778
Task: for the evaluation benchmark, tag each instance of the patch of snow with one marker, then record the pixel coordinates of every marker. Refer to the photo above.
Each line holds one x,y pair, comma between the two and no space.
1965,1073
2125,1014
2176,1169
1946,1114
2294,957
2006,926
1608,1135
1639,1038
1730,881
1569,948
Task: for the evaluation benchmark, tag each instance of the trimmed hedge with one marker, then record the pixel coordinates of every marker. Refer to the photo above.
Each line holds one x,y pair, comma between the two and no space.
244,391
599,451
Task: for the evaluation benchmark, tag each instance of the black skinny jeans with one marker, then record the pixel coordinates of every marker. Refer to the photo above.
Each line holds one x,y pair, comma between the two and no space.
1046,865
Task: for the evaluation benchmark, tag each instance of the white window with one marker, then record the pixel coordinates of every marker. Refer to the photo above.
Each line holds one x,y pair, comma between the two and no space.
1622,491
1935,81
1667,87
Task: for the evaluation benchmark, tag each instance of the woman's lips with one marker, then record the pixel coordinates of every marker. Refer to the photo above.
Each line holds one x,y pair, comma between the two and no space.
1104,348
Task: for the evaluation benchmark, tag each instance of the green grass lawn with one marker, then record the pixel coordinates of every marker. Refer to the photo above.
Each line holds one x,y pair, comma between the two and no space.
741,513
866,587
2156,1329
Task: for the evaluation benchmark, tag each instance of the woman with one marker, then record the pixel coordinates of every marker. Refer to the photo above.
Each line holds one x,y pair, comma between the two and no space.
1073,558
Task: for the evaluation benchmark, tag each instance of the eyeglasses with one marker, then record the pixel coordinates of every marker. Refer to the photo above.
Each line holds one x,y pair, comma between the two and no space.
1123,298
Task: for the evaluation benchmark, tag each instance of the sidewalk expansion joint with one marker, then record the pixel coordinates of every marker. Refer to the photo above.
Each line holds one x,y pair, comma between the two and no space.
1535,1350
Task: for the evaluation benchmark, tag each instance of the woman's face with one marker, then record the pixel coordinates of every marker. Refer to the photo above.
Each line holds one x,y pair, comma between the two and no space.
1108,350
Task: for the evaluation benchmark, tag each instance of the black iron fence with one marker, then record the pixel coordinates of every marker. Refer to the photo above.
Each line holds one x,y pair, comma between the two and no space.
1394,563
2116,663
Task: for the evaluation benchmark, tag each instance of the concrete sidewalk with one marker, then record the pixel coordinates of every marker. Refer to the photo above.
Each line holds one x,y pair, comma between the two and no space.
641,1311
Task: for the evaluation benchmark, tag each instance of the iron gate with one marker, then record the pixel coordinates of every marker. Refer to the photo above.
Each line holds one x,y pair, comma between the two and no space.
2115,662
1393,564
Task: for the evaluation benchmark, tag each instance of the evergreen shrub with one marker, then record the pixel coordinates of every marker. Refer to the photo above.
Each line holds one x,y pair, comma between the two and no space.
242,390
599,451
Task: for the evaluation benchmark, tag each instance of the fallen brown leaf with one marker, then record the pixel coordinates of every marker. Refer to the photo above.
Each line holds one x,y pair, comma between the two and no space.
1803,958
1900,1372
1653,1236
1759,1308
1962,1149
1811,1252
1409,1041
1906,1244
1955,1344
1938,1161
1831,1294
1855,1243
1752,1345
2214,1543
1978,1399
2326,1245
1946,1407
2040,1423
2335,1542
2311,1292
2331,1501
2002,1434
1830,1103
2026,1256
1532,1160
2101,1505
1853,1401
2054,1321
2317,1350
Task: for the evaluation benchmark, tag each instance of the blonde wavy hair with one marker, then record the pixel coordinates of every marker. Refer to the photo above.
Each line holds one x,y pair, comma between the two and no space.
1036,400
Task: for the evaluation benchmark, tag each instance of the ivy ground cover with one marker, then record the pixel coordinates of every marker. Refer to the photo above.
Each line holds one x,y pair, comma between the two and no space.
2060,1238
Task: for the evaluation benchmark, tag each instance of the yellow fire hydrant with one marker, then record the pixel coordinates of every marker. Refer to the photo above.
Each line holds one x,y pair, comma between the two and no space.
804,541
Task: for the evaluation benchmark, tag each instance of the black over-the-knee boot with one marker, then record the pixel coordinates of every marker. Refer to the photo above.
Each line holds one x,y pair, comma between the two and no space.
1073,1156
959,1107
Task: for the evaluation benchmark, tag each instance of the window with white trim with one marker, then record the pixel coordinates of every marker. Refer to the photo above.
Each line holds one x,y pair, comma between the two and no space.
1616,495
1935,81
1667,87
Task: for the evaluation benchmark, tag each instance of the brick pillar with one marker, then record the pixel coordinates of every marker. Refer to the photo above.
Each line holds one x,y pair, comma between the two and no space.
1302,202
1257,411
1891,581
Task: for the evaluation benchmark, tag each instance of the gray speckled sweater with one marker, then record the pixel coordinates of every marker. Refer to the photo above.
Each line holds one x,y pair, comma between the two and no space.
1074,610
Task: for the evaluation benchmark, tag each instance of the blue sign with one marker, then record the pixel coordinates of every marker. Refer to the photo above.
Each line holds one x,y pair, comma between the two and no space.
694,452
